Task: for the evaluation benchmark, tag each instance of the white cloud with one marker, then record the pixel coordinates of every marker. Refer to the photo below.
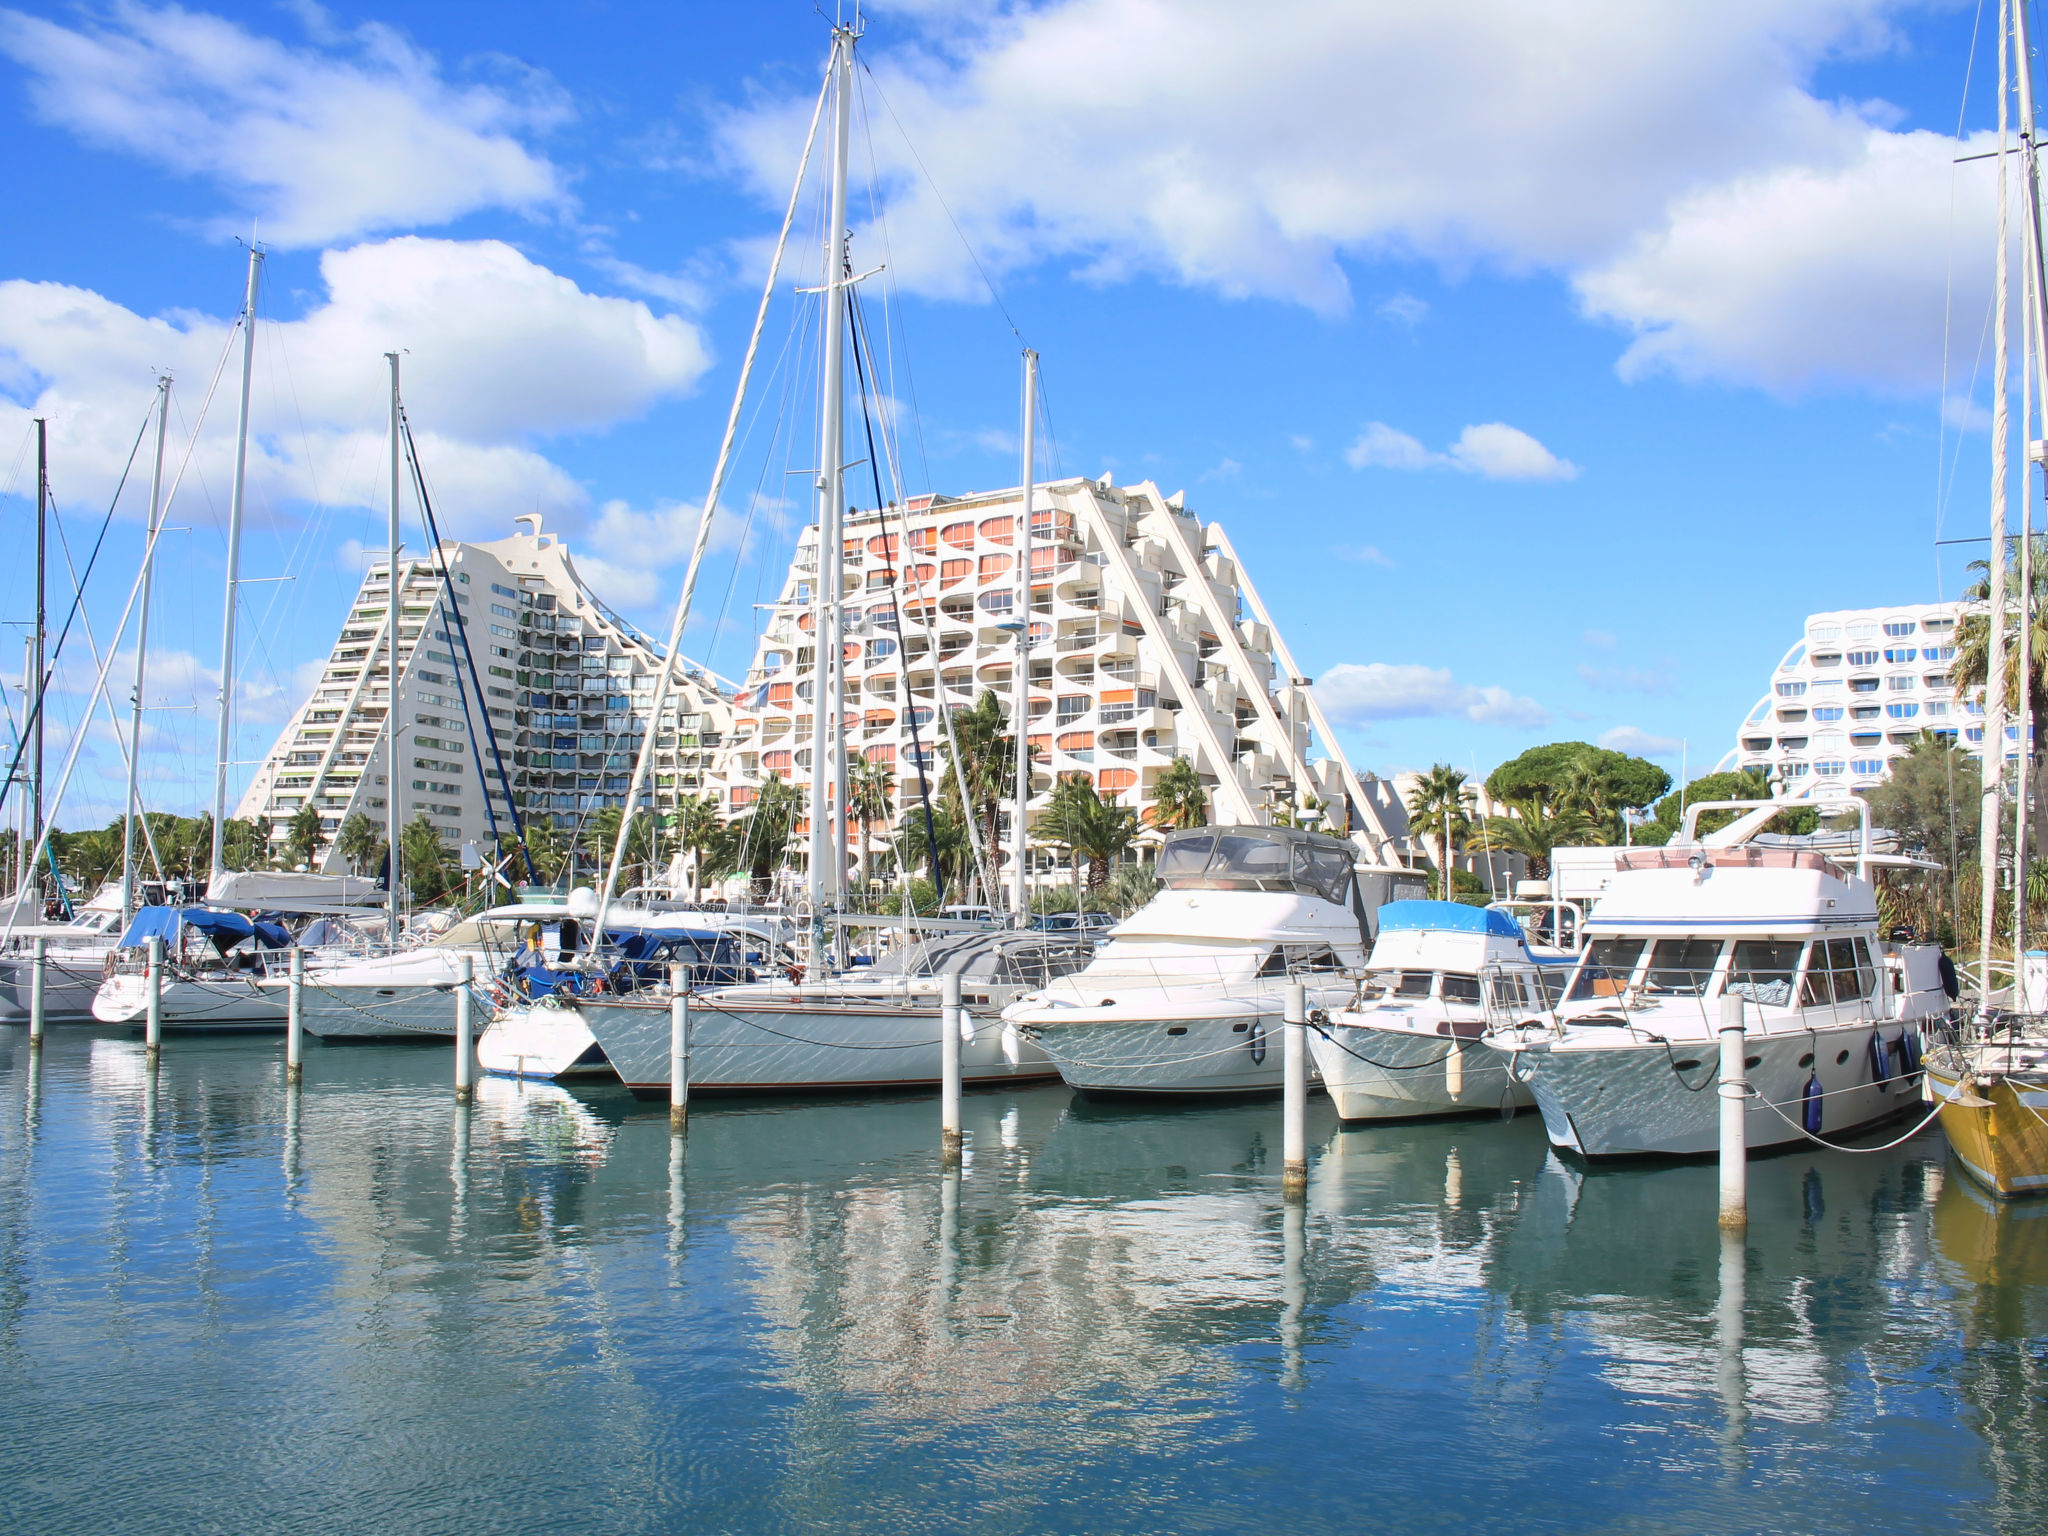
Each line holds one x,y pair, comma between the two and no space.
318,144
1493,450
1640,743
1501,452
1670,160
648,541
498,350
1380,446
1404,309
1364,554
1379,690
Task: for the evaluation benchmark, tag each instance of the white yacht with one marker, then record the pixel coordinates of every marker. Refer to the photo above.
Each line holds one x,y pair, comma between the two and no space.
1409,1045
215,964
75,957
1186,997
1628,1064
875,1028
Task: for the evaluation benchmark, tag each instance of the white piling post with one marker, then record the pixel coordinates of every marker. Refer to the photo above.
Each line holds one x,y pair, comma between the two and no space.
153,994
465,1044
678,1048
949,1066
38,967
295,1018
1734,1103
1294,1092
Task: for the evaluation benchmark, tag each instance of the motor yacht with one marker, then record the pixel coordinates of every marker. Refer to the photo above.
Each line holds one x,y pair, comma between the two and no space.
1627,1065
873,1028
1408,1045
1186,998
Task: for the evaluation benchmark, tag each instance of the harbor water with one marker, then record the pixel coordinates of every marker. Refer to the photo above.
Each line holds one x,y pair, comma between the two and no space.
357,1307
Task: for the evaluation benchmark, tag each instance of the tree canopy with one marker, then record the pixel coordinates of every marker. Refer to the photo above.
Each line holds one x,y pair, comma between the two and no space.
1669,816
1564,769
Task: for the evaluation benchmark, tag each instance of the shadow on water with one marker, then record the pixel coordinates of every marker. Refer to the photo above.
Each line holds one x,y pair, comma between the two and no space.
357,1306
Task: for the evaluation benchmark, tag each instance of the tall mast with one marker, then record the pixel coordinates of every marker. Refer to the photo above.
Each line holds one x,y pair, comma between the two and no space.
2001,432
41,635
2036,395
1020,707
827,848
221,746
156,512
391,587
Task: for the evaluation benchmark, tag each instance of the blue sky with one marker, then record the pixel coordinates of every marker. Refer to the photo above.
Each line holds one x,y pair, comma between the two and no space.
1546,365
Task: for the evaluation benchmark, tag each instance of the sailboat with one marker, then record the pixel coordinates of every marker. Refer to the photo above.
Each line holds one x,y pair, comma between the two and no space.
1990,1079
879,1027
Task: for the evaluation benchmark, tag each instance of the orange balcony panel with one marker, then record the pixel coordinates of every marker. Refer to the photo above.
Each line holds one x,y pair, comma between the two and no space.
998,530
959,535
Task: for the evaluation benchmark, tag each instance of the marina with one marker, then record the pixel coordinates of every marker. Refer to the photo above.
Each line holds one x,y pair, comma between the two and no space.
384,1312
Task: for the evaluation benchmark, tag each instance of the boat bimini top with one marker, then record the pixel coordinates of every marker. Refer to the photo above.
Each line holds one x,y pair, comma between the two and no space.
1257,859
225,929
1028,957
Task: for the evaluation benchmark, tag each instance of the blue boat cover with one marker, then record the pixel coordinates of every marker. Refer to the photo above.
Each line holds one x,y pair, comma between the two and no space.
1446,917
226,929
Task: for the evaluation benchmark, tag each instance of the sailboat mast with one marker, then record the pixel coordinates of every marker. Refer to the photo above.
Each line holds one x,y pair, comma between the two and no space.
1020,696
221,748
156,512
2001,433
2036,379
827,848
41,636
391,587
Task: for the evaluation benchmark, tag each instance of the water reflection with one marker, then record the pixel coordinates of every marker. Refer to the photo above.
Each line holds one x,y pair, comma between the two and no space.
797,1317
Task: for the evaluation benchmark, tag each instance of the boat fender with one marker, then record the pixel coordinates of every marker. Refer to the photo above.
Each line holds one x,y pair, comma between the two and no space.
1013,1045
1880,1062
1810,1104
1909,1053
1257,1042
1454,1070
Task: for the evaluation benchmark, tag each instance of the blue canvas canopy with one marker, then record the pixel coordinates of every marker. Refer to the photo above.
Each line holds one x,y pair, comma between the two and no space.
226,929
1446,917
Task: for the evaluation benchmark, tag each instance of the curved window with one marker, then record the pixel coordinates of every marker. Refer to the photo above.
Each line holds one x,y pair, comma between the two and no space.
1898,629
1938,652
1898,653
1936,679
1824,634
1795,770
1973,733
1827,658
1863,685
1867,766
1828,712
1865,738
1863,658
1791,690
880,649
1937,707
996,602
1898,684
1859,633
1828,767
1902,711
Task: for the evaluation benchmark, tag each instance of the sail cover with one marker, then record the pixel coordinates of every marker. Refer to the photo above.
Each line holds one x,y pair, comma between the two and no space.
288,891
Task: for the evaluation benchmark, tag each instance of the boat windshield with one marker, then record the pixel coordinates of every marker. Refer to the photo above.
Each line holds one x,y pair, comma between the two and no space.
1460,989
1605,968
1762,970
1384,984
1253,859
1681,967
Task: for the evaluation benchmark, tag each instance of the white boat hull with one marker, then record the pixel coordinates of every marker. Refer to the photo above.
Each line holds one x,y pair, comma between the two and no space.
336,1012
1630,1098
229,1003
71,979
797,1047
544,1040
1239,1051
1374,1073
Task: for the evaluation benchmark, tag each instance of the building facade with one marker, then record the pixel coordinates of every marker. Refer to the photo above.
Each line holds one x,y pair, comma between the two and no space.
567,698
1854,693
1146,642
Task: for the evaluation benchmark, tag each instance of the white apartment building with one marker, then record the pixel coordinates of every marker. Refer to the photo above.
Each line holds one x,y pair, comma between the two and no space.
568,693
1853,694
1147,641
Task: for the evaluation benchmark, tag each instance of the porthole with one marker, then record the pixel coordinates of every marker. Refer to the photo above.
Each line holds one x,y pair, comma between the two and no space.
1751,1063
1177,1029
1840,1057
1806,1060
1686,1065
1239,1028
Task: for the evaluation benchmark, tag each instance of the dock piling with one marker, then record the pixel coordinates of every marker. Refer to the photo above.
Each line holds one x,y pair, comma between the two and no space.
1294,1092
950,1138
1734,1096
37,970
295,1019
153,995
465,1045
678,1048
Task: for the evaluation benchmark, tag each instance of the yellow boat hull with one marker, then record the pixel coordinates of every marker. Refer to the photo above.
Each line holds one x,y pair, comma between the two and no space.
1998,1127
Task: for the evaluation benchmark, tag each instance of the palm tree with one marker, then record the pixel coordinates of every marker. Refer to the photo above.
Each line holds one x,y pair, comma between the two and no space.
869,786
766,827
302,840
1090,827
1535,828
699,831
359,842
425,859
1970,671
948,834
1441,805
1178,798
988,763
89,858
1586,792
1061,824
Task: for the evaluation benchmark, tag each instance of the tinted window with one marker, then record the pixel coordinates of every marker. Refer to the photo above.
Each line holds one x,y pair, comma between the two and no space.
1461,989
1681,966
1326,871
1185,855
1606,968
1248,858
1413,984
1762,970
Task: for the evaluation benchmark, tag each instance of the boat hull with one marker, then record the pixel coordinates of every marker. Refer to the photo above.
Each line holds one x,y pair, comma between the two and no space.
1629,1099
1221,1056
1374,1073
540,1040
238,1004
70,982
806,1048
2002,1138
